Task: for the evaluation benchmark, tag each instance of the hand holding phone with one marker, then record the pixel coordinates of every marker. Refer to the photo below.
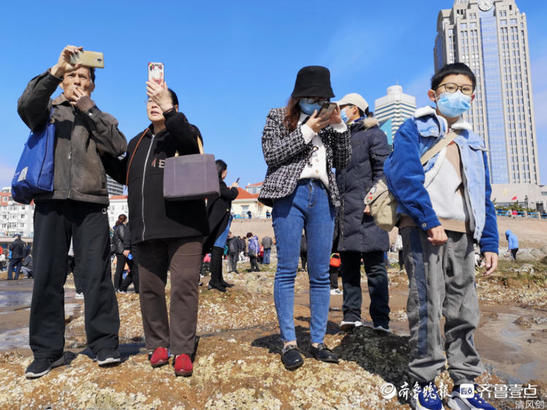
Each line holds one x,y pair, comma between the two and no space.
156,73
87,58
326,110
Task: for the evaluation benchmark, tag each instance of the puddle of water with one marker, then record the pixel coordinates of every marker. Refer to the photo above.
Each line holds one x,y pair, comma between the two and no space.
18,337
14,339
14,298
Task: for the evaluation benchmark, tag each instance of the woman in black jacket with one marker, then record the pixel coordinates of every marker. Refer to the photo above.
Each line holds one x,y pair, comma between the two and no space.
121,246
218,210
358,236
168,235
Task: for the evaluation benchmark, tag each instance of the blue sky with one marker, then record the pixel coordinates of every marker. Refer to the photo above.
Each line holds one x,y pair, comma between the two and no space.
230,62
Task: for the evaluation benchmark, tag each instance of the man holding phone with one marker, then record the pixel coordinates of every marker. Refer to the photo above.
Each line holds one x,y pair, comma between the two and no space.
76,209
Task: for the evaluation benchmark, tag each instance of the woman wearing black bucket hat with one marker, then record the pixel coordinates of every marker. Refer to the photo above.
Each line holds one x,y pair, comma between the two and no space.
301,148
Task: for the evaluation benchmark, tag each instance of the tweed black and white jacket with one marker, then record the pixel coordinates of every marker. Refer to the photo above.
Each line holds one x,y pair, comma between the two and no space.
286,154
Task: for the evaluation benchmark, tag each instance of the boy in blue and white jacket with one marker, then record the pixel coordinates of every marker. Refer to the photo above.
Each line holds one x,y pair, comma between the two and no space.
444,207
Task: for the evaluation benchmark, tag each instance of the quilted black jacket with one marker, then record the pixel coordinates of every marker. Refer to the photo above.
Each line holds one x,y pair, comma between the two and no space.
286,154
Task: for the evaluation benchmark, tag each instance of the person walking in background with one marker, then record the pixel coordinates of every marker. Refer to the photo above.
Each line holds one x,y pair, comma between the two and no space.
121,242
220,219
253,250
76,209
233,251
512,243
168,235
358,235
26,266
249,214
301,147
132,274
267,243
17,249
2,260
242,248
444,206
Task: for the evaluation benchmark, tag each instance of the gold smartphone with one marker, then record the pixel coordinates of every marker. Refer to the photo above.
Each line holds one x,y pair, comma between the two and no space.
88,59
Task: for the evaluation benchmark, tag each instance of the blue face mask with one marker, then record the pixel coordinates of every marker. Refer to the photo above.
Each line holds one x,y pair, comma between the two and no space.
307,107
344,116
452,105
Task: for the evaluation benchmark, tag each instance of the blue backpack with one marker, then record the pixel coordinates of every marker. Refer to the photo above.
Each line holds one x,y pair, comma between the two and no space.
34,172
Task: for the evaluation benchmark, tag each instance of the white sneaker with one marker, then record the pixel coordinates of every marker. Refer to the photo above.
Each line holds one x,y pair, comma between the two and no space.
346,326
383,329
336,292
79,295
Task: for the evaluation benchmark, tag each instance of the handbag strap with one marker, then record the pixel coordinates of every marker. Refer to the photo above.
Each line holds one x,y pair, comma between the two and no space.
200,146
133,155
438,147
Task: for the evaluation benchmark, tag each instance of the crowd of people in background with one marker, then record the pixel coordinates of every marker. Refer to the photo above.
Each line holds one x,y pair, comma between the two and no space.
323,159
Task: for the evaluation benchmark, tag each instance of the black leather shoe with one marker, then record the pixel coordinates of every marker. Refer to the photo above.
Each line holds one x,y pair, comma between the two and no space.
220,288
227,285
323,353
291,357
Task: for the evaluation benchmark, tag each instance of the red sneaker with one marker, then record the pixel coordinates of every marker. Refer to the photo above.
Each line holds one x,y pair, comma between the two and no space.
183,365
159,357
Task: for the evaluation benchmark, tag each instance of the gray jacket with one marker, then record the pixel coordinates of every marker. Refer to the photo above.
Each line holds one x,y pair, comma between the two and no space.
82,137
286,154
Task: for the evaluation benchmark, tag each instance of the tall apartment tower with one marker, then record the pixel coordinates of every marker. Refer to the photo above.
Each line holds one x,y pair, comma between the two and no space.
491,37
113,187
393,109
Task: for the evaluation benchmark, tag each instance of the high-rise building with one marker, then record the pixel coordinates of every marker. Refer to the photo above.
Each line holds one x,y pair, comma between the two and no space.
491,37
393,109
113,187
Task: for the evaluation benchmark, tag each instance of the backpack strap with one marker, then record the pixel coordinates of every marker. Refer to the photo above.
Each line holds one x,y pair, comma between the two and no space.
438,147
133,155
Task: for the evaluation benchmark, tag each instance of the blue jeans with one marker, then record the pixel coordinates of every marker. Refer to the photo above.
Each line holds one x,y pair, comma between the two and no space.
266,258
14,266
221,240
308,208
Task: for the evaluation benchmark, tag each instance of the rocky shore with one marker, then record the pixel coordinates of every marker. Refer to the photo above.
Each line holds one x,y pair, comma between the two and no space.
237,361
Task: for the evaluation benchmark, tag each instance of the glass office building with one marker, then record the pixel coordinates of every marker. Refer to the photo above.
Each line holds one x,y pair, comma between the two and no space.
491,37
393,109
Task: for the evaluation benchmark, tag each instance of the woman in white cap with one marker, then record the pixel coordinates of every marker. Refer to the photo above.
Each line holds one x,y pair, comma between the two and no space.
301,148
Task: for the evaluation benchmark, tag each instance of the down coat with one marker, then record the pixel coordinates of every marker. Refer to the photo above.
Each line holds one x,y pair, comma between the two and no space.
369,149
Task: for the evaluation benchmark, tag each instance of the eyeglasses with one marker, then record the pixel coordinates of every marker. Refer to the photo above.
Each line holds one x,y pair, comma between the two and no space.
452,88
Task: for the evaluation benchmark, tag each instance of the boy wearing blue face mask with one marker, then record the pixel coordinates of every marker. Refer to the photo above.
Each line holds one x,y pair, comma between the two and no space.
444,207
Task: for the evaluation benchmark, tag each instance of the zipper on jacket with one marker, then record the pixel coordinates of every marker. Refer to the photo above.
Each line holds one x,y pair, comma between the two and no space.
142,186
70,156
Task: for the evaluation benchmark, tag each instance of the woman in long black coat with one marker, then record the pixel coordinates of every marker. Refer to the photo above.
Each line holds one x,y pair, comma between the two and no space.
358,235
220,219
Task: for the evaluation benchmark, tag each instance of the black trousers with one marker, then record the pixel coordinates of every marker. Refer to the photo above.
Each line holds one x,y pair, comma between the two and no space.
334,273
55,222
254,263
375,269
120,264
216,266
72,268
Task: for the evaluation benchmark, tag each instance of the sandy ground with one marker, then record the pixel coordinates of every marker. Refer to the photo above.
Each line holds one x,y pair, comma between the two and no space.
237,362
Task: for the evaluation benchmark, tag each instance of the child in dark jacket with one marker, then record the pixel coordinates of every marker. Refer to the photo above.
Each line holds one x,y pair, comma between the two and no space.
444,207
